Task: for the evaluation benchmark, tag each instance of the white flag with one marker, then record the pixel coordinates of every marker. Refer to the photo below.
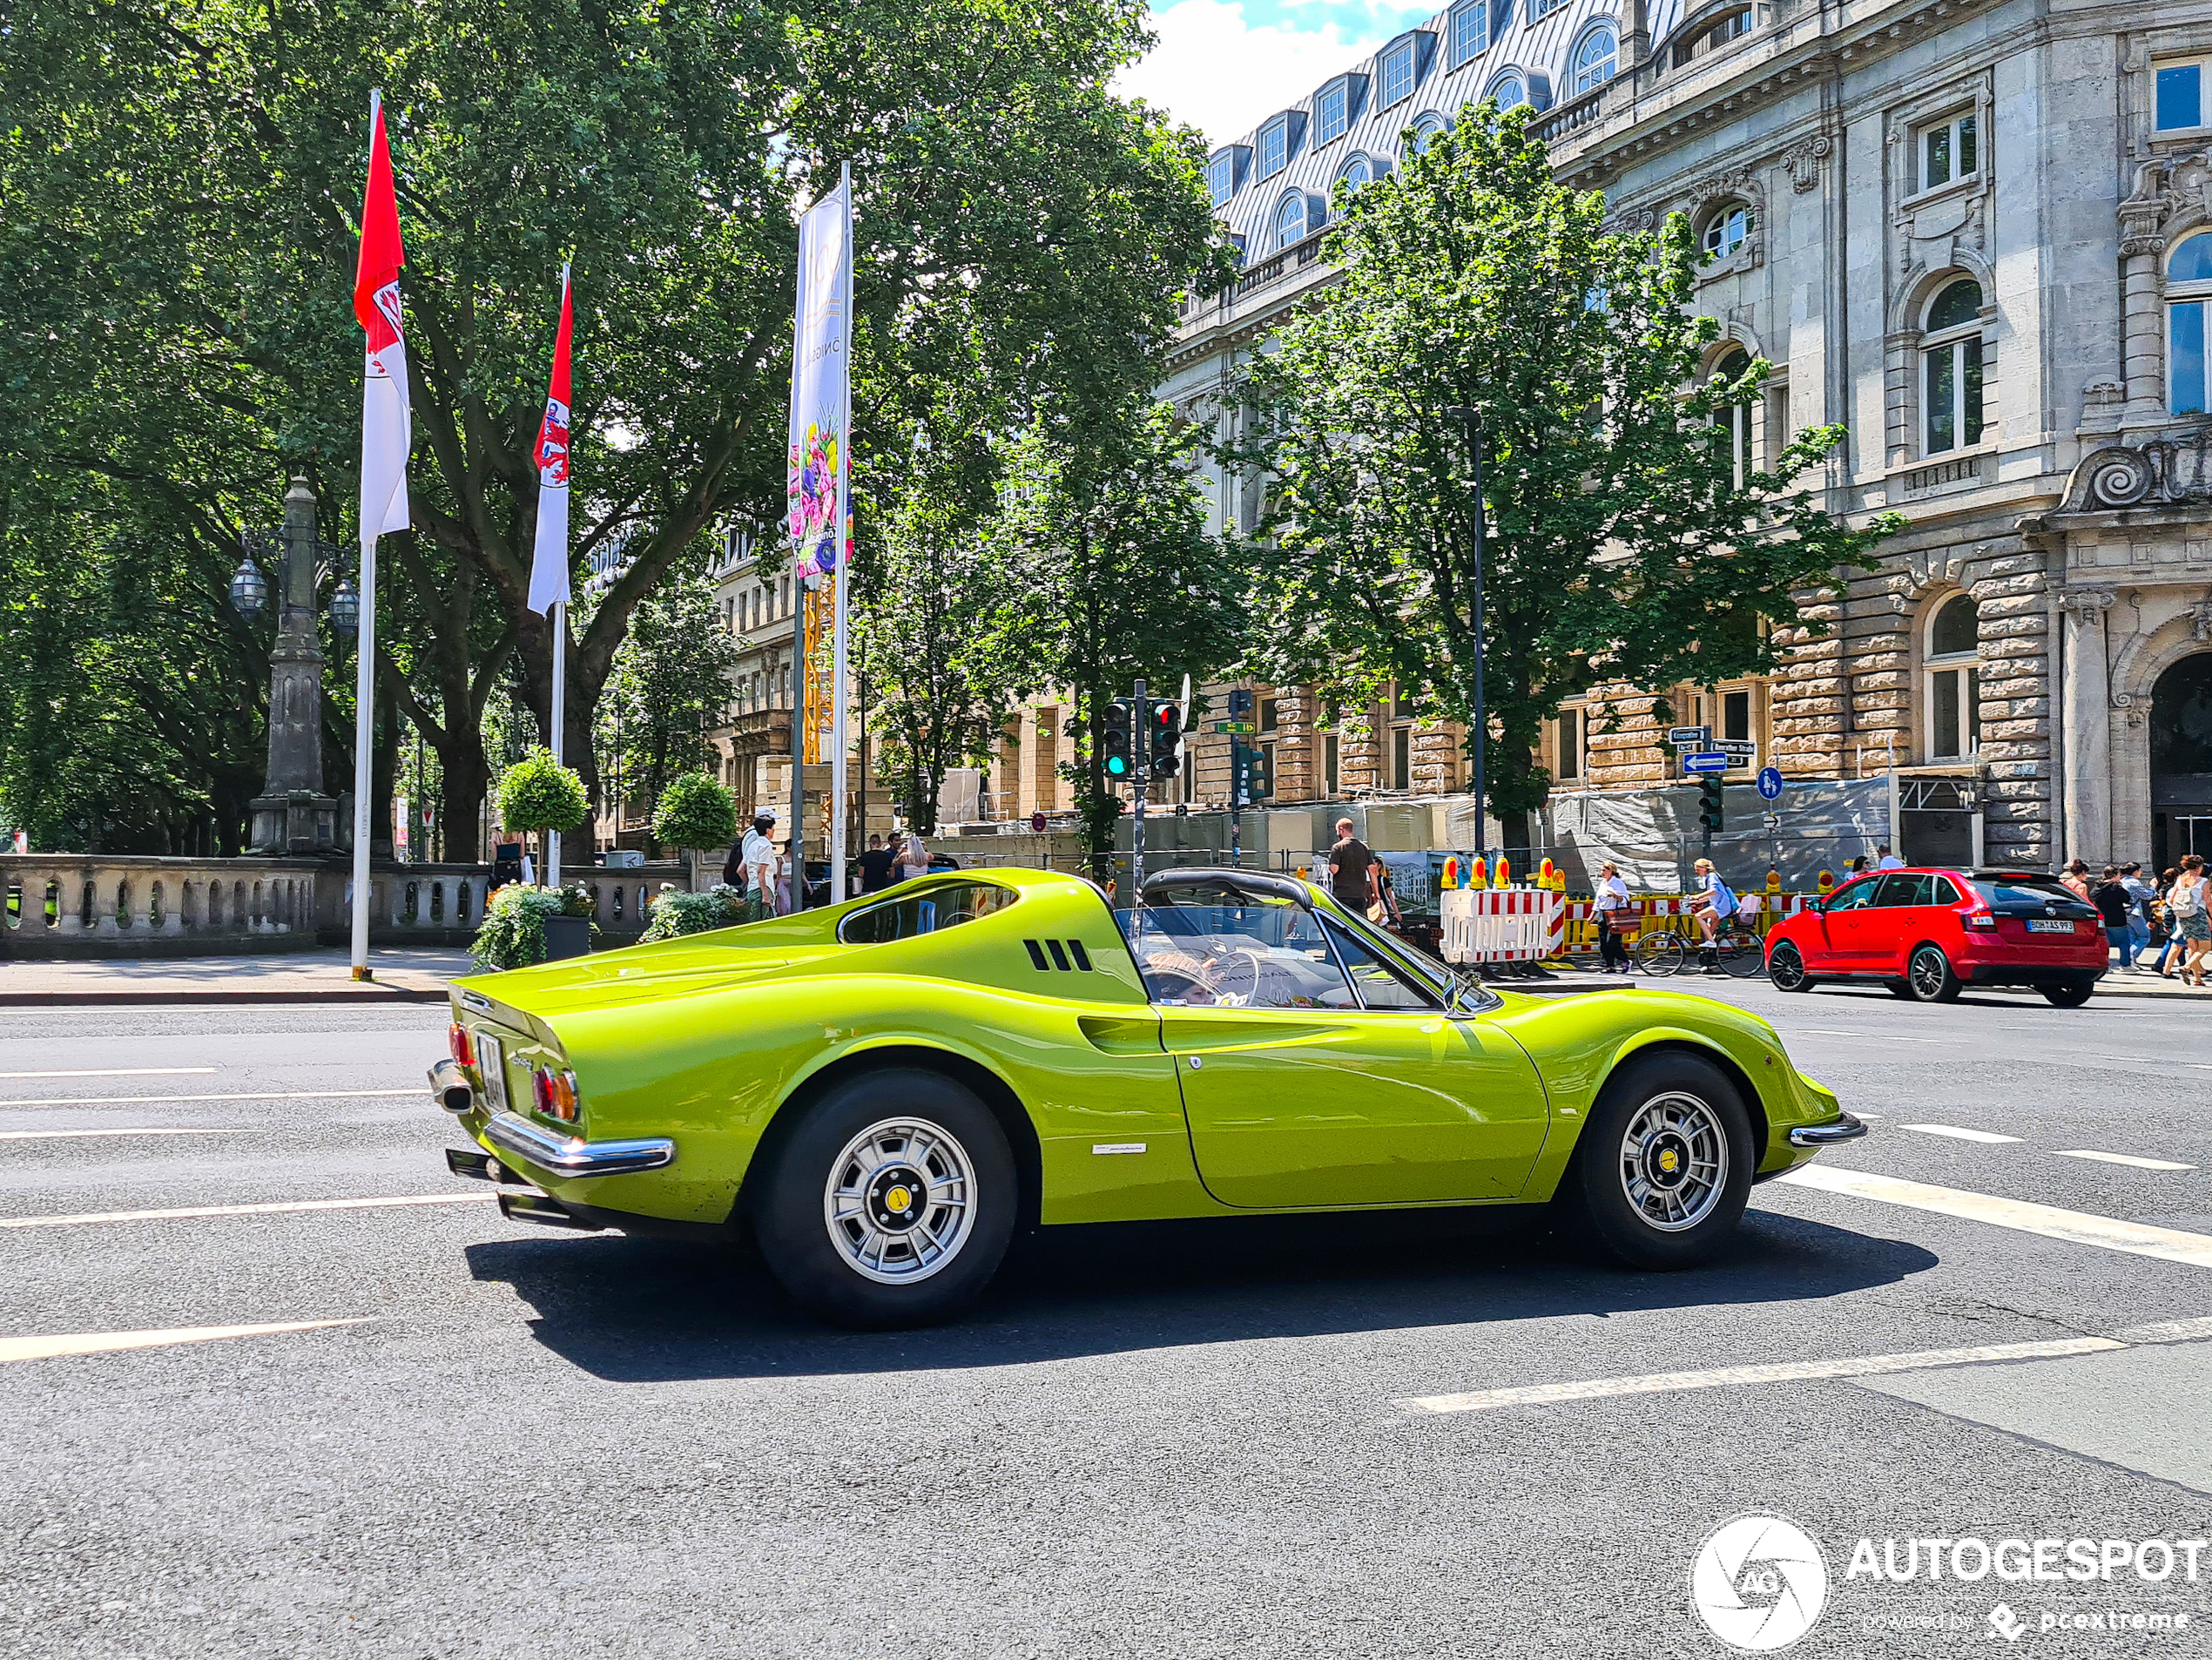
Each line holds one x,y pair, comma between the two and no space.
549,559
386,421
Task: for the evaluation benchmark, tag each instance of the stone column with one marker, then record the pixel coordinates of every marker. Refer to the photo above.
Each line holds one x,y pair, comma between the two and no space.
2088,724
2143,352
292,814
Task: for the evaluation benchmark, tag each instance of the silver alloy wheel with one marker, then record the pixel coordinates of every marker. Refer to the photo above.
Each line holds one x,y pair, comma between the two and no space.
901,1201
1786,967
1674,1161
1928,971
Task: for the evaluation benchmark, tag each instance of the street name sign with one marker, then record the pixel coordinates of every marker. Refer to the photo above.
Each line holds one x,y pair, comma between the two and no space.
1741,752
1689,737
1705,761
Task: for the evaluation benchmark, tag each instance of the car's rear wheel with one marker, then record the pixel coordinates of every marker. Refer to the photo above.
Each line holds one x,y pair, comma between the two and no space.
1929,977
1785,966
2072,994
1665,1165
890,1203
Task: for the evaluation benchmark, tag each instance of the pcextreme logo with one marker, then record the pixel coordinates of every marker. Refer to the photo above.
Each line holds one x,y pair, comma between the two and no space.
1758,1583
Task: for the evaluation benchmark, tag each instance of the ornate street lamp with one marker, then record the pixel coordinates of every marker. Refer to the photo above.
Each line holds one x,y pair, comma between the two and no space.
249,591
346,607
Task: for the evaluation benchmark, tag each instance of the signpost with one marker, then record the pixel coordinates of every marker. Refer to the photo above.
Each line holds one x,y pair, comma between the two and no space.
1770,783
1705,761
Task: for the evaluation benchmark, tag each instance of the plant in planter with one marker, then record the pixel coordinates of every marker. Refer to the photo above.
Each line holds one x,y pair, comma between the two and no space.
676,912
695,811
512,934
538,794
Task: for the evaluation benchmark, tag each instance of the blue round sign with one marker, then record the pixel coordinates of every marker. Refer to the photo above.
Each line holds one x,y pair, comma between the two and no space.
1770,782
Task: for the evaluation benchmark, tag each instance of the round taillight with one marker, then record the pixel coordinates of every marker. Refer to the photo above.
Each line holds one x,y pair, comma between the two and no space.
541,1089
464,1046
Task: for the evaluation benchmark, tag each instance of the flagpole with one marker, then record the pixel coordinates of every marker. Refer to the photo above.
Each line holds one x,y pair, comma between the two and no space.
560,714
365,683
839,588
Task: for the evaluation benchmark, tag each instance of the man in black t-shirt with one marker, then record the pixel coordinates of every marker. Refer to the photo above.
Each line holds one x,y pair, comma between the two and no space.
1352,867
2114,903
875,866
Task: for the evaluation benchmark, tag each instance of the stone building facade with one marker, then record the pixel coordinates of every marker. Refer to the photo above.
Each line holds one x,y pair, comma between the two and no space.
1965,229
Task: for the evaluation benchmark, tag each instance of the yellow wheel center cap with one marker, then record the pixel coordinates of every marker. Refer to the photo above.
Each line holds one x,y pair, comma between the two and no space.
898,1199
1669,1160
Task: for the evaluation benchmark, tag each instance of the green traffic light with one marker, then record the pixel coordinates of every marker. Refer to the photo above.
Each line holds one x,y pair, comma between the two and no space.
1117,766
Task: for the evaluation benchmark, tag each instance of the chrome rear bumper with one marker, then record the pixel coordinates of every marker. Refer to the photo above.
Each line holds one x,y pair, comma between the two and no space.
565,1156
1845,1127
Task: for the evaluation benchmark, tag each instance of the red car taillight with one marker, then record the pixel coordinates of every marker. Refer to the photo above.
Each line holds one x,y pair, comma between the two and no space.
462,1045
555,1093
1981,920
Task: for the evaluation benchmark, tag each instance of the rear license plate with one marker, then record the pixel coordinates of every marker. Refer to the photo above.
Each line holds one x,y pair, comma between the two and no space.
491,1061
2038,926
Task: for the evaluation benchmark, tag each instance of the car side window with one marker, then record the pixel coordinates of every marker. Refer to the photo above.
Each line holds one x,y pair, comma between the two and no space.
1380,983
932,910
1235,956
1902,889
1852,895
1945,893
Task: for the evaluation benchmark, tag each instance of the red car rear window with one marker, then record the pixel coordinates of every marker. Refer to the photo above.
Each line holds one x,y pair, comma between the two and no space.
2031,896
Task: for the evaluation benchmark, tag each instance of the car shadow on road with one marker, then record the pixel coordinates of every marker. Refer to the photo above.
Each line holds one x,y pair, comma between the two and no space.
642,1310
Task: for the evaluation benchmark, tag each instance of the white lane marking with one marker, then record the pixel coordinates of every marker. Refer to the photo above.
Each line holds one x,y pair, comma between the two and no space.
80,1135
118,1072
45,1348
241,1210
1780,1372
2128,1159
2077,1227
2168,1332
174,1100
1829,1031
1957,1134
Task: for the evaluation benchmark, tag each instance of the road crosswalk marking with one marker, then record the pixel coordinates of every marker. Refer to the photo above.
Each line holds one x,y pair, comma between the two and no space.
2128,1159
1957,1134
2077,1227
279,1209
174,1100
117,1072
47,1349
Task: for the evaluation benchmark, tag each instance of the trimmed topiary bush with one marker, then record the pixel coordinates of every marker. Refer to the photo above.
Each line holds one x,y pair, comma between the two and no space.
537,792
512,934
695,811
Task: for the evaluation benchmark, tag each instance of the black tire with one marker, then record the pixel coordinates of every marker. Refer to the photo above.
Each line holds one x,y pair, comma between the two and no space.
1596,1188
950,1128
1743,955
2072,994
1659,952
1785,967
1929,977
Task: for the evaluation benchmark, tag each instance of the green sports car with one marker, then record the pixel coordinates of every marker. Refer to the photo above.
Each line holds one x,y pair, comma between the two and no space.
881,1092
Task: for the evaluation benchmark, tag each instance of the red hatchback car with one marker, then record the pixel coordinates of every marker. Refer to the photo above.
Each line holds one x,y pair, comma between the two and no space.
1928,934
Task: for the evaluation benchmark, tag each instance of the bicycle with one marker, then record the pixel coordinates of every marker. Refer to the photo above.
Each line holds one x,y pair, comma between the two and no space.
1661,951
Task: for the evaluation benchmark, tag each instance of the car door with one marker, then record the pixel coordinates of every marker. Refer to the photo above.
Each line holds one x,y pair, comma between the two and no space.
1316,1072
1843,929
1898,919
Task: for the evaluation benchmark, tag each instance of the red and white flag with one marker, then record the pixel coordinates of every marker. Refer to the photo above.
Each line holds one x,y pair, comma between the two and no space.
387,424
549,559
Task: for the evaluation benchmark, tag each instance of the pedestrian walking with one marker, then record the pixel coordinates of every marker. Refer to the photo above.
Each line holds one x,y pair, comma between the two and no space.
2116,904
913,859
875,866
787,877
1884,859
2185,905
757,862
2076,878
1615,915
2139,897
1353,873
2165,930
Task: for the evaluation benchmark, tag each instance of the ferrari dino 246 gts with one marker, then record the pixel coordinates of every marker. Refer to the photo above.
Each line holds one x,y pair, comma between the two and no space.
881,1092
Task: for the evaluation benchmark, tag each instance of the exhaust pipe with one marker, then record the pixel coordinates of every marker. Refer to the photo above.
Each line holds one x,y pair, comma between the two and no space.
480,1166
451,1086
536,1207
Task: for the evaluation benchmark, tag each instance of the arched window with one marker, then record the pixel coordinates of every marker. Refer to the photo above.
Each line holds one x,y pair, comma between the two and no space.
1424,128
1509,89
1735,419
1290,220
1360,170
2188,291
1954,679
1727,229
1595,60
1951,378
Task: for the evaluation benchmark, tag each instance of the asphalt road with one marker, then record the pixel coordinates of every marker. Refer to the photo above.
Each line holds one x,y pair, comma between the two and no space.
1173,1440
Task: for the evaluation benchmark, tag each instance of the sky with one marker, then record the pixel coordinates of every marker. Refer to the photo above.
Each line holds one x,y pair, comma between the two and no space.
1224,65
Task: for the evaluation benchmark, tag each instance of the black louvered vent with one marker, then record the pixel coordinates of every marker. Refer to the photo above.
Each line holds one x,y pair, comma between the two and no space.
1037,953
1062,951
1083,957
1059,954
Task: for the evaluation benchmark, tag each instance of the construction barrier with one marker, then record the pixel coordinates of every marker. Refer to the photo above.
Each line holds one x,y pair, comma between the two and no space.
1498,925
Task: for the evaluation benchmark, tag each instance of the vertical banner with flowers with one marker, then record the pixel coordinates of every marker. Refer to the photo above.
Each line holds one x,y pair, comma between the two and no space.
817,490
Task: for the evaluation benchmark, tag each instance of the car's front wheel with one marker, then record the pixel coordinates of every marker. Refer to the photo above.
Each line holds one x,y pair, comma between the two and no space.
890,1203
1665,1165
1785,966
1929,977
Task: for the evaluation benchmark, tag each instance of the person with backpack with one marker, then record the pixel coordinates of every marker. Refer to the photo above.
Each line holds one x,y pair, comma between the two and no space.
2186,911
1716,905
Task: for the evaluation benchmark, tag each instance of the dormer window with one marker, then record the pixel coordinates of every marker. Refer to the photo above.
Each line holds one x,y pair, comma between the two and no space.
1225,172
1728,26
1278,142
1470,30
1292,220
1596,59
1337,105
1509,89
1398,73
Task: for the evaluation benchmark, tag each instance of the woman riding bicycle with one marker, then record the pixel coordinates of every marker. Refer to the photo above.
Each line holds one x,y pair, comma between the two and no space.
1716,905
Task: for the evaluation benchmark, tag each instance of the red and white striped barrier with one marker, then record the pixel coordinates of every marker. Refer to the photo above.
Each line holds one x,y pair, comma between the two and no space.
1499,925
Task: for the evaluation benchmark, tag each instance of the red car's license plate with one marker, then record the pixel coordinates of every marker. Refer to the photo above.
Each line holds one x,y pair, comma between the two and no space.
2038,926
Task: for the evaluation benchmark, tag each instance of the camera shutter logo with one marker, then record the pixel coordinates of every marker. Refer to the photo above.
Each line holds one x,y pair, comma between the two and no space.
1758,1583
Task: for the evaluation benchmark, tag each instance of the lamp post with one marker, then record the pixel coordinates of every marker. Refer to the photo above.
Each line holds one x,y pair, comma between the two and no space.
1472,417
292,814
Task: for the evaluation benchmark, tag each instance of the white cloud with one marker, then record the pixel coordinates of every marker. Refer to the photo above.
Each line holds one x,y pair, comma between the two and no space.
1224,75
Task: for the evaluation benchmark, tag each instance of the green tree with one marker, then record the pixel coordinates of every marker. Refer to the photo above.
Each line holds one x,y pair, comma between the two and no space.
1481,301
1114,575
670,683
695,811
176,263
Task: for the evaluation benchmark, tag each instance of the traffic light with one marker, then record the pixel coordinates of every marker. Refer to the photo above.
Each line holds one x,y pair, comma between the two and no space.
1240,704
1252,773
1113,743
1709,801
1167,740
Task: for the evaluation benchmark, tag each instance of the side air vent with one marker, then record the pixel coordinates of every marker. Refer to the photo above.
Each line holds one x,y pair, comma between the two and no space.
1062,951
